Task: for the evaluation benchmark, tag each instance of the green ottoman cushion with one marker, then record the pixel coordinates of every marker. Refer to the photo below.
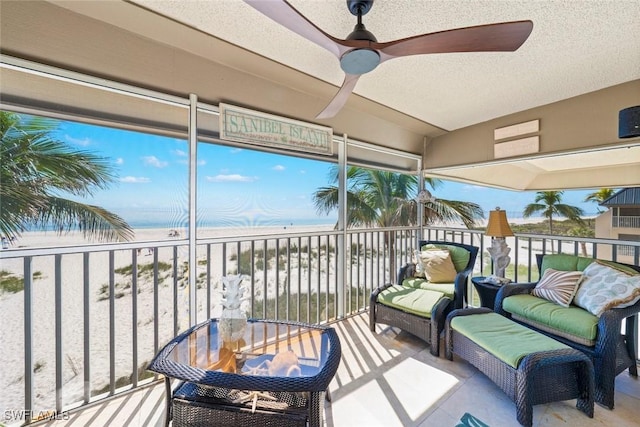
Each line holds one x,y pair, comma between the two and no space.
415,301
505,339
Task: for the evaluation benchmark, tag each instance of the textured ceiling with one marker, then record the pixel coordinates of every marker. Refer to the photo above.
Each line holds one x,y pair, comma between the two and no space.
575,47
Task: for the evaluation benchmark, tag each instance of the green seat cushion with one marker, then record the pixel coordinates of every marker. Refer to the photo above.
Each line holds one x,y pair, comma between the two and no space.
505,339
571,322
415,301
459,256
448,289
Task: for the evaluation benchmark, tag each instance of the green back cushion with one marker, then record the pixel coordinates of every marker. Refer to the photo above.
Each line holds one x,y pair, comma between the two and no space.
459,256
414,301
448,289
563,262
569,321
505,339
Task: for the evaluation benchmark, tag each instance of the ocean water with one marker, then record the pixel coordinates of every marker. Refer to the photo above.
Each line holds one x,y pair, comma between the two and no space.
141,223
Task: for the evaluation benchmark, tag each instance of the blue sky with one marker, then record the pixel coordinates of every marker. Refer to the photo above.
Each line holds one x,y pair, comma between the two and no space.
237,185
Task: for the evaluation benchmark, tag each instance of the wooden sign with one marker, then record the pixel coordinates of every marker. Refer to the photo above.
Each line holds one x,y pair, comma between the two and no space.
254,127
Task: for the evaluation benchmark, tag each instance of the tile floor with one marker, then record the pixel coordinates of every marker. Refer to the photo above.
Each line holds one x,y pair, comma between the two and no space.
389,378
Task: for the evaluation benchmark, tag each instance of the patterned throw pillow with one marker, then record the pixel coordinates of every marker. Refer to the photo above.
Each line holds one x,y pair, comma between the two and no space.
558,286
437,266
603,287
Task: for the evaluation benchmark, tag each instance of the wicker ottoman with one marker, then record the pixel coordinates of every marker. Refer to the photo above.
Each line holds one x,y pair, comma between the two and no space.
195,405
550,371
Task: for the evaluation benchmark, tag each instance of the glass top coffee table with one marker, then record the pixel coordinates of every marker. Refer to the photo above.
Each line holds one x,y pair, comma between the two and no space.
236,369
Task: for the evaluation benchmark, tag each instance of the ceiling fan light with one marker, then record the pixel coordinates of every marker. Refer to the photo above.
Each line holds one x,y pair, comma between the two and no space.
359,61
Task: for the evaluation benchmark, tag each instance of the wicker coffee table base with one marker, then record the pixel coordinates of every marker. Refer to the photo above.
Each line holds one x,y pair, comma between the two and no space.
200,406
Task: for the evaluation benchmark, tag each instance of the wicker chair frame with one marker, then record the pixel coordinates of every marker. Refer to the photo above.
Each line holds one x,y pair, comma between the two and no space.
612,353
541,377
427,329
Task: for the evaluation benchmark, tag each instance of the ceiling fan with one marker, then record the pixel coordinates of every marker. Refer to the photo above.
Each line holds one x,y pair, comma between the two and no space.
361,53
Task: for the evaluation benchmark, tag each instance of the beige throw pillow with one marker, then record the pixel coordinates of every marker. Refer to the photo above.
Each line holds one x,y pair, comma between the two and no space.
603,287
437,266
558,286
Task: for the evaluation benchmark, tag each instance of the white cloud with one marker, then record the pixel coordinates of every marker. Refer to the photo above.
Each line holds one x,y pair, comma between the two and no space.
180,153
119,161
186,162
231,178
135,179
278,168
78,141
154,161
303,172
474,187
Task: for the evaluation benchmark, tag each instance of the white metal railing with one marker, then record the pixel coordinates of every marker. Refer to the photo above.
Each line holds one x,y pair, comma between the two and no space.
111,307
625,221
90,333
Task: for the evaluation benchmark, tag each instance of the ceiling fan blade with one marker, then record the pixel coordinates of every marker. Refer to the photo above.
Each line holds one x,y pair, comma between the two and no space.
340,98
286,15
502,37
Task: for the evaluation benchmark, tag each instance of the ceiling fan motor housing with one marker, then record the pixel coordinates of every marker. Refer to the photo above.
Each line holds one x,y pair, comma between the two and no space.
359,61
363,60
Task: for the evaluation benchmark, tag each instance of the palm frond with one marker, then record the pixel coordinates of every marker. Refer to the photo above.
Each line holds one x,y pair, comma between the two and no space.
36,170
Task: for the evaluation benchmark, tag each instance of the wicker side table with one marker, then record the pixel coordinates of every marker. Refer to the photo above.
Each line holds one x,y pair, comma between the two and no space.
487,291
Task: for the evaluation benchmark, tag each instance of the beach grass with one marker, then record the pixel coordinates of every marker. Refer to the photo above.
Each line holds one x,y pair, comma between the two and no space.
11,283
309,304
123,381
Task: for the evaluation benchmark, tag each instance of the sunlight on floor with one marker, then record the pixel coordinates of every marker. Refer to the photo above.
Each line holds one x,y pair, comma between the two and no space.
418,386
405,391
366,406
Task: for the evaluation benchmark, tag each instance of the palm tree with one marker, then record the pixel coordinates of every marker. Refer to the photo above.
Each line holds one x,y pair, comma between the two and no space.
549,203
600,196
386,199
37,171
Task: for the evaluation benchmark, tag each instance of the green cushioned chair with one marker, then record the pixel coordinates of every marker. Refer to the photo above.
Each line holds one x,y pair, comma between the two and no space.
419,307
598,337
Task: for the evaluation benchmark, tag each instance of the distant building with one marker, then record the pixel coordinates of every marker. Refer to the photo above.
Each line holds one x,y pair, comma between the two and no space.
621,221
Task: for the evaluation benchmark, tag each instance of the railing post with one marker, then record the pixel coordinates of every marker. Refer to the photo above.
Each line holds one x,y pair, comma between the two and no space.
193,166
134,317
28,340
341,270
87,328
112,324
58,329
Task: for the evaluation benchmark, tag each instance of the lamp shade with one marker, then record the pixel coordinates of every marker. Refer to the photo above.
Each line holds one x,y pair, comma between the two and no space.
498,225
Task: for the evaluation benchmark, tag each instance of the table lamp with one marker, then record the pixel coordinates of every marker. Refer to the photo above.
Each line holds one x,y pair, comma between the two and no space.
498,228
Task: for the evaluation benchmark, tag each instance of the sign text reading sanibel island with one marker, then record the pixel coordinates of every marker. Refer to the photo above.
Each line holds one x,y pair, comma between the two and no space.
243,125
